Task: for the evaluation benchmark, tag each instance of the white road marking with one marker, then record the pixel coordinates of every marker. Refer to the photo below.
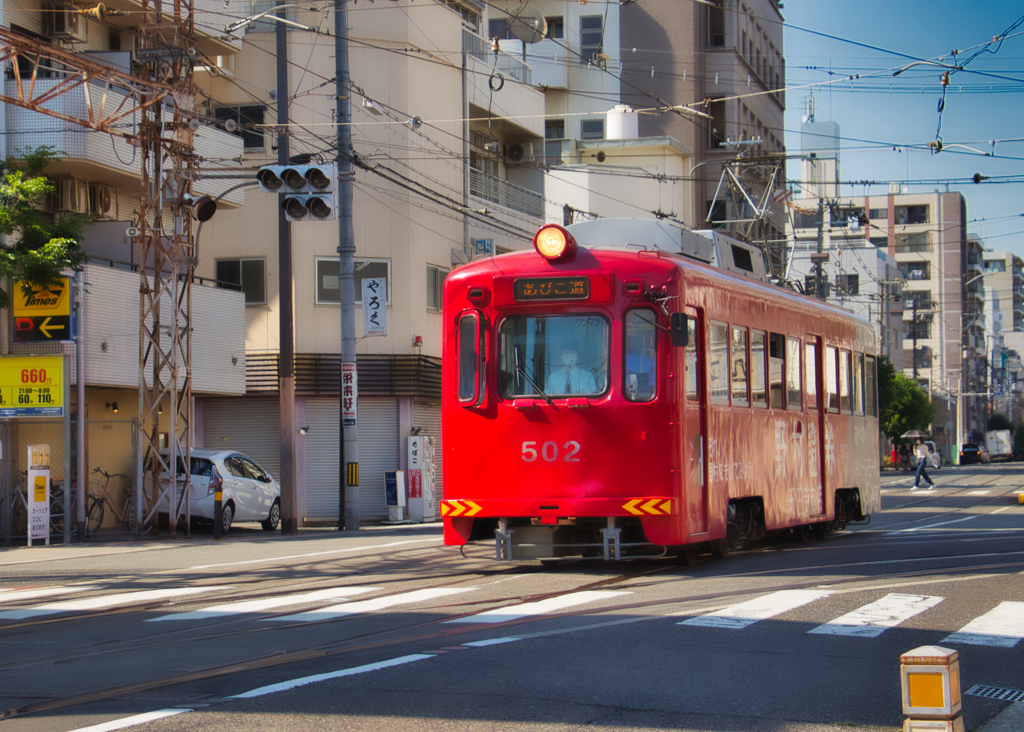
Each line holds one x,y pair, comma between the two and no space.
255,606
529,609
318,554
104,601
368,606
874,619
745,614
1003,626
303,681
132,721
978,493
13,595
929,527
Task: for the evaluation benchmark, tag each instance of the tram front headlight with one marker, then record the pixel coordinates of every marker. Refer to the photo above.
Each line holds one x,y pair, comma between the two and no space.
553,242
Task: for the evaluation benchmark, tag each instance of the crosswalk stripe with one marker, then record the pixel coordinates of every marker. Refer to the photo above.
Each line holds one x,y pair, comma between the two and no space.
104,601
367,606
529,609
747,613
13,595
874,619
270,603
1003,626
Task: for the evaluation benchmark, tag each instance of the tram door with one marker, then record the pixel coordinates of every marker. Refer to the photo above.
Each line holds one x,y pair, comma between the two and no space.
695,449
816,404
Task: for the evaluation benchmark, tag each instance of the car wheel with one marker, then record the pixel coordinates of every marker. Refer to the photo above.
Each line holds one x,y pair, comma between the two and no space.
227,514
274,518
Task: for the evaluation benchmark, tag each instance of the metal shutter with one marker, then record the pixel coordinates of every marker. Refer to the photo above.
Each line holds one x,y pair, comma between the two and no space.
322,458
378,451
251,426
428,416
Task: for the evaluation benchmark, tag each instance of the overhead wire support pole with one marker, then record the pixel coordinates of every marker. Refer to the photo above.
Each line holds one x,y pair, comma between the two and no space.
348,392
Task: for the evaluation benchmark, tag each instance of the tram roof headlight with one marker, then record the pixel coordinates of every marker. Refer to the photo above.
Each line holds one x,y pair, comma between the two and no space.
553,242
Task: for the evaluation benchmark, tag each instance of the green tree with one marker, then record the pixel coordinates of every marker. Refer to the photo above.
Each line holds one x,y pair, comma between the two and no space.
904,406
999,422
36,245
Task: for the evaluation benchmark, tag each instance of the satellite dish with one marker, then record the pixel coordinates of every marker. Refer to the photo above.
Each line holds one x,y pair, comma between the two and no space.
528,25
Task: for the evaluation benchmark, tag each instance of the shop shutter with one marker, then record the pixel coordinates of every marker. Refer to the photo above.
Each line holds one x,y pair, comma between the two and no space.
251,426
322,458
427,415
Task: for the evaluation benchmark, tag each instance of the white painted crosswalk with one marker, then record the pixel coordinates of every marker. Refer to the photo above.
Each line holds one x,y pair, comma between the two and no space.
1003,626
270,603
541,607
369,606
747,613
871,620
103,602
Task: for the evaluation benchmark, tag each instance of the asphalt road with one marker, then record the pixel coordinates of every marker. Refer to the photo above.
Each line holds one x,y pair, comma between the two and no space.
386,630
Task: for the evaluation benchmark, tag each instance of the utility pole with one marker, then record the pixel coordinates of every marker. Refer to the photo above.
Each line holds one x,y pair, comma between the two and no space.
819,257
286,348
348,395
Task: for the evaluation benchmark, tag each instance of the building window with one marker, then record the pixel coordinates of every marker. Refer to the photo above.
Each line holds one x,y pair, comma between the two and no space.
591,37
248,275
556,27
912,214
848,284
435,286
880,241
499,28
878,214
328,280
719,132
554,129
247,118
716,25
592,129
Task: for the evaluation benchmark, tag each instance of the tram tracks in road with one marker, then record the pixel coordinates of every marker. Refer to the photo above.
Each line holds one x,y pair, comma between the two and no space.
925,499
414,633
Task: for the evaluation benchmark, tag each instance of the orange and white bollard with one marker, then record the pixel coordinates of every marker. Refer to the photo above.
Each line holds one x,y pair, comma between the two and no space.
930,679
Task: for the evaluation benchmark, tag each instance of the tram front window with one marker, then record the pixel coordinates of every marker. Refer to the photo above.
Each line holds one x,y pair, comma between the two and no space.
554,355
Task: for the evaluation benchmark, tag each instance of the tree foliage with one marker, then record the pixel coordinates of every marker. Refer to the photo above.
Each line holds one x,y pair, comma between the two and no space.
36,245
999,422
903,405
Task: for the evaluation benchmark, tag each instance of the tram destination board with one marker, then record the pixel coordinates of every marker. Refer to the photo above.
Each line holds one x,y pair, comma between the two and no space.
537,289
32,386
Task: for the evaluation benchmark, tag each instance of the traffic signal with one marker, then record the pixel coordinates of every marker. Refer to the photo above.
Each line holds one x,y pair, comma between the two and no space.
308,189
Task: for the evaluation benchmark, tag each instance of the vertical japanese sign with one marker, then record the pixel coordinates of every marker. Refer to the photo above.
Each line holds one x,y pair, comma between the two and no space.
375,306
349,394
484,246
38,493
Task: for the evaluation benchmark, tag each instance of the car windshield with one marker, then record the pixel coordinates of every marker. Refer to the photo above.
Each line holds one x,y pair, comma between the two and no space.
970,446
559,355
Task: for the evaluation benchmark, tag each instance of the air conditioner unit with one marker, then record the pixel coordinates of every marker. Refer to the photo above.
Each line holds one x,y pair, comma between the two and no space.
71,195
67,24
101,198
517,153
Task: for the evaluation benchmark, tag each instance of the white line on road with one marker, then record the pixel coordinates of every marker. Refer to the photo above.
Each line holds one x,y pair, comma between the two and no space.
978,493
13,595
318,554
131,721
529,609
745,614
1002,626
874,619
929,527
270,603
368,606
303,681
104,601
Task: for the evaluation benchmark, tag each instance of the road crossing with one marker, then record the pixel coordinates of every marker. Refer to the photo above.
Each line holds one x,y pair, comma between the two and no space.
998,627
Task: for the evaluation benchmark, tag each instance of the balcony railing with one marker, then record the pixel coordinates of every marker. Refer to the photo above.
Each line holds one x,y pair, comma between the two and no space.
508,65
500,191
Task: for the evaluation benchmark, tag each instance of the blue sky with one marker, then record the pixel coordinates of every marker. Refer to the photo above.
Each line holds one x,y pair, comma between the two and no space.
886,122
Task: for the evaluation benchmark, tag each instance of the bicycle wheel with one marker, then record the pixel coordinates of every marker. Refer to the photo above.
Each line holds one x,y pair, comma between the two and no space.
94,517
129,515
56,515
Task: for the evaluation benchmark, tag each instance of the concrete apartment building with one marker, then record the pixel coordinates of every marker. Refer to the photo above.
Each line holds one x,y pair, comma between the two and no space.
1004,317
686,52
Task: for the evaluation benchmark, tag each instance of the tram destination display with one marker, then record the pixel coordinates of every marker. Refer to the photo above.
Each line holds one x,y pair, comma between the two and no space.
537,289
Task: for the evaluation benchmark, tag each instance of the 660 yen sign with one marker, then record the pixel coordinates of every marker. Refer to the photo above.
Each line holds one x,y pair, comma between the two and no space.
550,451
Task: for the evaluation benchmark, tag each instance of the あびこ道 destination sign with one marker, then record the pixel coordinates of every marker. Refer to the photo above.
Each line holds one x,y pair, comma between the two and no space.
32,386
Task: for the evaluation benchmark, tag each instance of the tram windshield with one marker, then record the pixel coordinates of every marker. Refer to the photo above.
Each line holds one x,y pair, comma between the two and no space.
554,355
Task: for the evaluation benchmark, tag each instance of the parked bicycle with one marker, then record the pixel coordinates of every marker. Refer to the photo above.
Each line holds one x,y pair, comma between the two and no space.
100,501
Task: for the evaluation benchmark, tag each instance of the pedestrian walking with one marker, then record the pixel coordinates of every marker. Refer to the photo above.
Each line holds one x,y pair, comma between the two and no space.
905,458
923,455
894,458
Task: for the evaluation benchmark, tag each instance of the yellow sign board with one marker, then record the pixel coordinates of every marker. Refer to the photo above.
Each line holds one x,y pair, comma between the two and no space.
32,386
53,300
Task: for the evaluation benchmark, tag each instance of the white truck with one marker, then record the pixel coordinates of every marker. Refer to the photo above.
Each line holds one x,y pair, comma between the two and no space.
999,445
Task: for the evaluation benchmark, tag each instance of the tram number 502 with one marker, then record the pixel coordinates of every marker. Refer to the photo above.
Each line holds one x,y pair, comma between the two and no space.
550,451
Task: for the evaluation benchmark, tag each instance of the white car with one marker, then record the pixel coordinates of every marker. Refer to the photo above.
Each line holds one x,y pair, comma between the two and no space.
935,456
248,492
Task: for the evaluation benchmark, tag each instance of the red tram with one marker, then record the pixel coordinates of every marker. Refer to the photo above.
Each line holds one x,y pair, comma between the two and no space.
630,387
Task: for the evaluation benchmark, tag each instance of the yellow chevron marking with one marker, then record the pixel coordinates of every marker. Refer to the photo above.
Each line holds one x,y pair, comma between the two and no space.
632,507
651,507
474,508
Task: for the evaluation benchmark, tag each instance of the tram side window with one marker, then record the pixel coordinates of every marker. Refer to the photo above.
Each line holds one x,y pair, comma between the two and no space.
858,383
692,361
470,373
718,366
739,367
832,378
870,387
793,393
758,364
776,368
641,368
811,374
845,395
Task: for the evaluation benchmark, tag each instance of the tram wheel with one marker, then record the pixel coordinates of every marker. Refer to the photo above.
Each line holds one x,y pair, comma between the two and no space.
802,533
719,549
687,555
